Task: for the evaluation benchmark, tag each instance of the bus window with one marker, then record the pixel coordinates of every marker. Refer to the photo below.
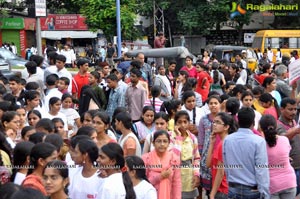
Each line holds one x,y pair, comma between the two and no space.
286,40
257,42
293,42
274,42
267,43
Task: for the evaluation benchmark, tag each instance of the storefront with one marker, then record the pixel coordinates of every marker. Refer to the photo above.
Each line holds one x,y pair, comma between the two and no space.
30,24
20,31
12,31
66,28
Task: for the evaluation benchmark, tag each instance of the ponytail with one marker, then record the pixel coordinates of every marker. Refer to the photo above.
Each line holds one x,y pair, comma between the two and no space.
270,136
216,76
268,125
153,102
130,194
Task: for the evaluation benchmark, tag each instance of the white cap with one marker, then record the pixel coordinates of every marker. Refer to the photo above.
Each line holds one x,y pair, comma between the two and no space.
244,51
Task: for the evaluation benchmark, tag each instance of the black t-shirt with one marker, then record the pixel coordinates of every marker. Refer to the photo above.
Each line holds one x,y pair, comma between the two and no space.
110,52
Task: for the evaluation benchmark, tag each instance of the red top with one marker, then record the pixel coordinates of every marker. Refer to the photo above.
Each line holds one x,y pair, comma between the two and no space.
159,42
78,82
201,76
217,156
192,72
261,78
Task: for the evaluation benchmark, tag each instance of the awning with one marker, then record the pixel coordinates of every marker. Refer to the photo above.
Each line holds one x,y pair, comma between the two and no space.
57,35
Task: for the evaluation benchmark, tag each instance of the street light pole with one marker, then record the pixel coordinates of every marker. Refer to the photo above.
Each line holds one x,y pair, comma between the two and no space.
38,37
118,27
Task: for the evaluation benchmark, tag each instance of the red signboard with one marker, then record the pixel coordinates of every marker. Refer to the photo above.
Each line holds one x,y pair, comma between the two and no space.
29,23
63,22
22,43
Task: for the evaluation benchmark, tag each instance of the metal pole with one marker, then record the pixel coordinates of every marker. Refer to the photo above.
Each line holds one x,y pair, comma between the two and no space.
38,37
154,22
119,39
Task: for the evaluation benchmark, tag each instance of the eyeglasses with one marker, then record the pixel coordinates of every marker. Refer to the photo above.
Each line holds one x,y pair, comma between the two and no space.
217,123
162,141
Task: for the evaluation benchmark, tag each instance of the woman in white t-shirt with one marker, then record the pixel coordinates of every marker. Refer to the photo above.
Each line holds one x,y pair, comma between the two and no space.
137,172
71,114
54,111
84,182
117,184
21,161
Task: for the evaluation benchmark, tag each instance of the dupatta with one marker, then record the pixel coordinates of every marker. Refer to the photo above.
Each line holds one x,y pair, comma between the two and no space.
154,166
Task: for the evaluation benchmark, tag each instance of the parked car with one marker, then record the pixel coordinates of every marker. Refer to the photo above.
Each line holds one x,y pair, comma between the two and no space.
5,69
12,59
174,53
229,52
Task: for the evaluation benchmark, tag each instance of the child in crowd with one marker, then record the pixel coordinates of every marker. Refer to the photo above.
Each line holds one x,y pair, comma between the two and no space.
63,84
73,117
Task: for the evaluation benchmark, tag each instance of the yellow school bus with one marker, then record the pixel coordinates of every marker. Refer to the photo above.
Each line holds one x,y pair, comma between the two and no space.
286,40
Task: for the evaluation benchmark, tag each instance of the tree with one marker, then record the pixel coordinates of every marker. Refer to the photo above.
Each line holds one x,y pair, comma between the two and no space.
197,17
102,15
3,11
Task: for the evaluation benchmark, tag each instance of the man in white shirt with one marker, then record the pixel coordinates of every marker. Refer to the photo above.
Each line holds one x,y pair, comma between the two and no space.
14,48
124,49
238,58
33,50
243,75
31,68
70,56
51,91
270,55
60,70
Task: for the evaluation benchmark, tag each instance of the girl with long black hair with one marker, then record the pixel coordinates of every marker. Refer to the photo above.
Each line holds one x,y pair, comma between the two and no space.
40,155
155,101
137,172
146,125
88,100
111,161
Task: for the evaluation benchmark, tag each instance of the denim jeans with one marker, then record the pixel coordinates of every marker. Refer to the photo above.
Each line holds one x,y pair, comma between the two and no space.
285,194
220,195
243,193
297,171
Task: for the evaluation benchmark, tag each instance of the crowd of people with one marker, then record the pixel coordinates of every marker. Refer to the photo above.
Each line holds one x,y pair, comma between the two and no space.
128,131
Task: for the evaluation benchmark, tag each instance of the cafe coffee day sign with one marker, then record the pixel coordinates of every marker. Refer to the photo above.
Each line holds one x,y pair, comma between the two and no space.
12,23
63,22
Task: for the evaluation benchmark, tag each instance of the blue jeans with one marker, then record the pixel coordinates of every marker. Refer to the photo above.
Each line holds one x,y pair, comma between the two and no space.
285,194
220,195
243,193
297,171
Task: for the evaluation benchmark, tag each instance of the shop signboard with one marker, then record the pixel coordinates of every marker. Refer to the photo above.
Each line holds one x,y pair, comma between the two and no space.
63,22
22,42
40,8
12,23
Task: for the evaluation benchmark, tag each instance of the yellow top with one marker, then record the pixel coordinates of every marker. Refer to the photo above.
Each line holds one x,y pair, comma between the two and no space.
258,107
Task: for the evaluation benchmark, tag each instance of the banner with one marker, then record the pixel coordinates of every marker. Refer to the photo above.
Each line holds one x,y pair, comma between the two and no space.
294,71
22,43
12,23
63,22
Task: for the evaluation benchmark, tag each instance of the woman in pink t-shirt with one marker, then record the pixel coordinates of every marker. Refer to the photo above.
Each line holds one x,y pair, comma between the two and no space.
270,104
282,175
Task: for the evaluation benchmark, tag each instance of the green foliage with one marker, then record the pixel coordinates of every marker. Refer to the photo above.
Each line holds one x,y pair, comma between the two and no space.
102,15
197,17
